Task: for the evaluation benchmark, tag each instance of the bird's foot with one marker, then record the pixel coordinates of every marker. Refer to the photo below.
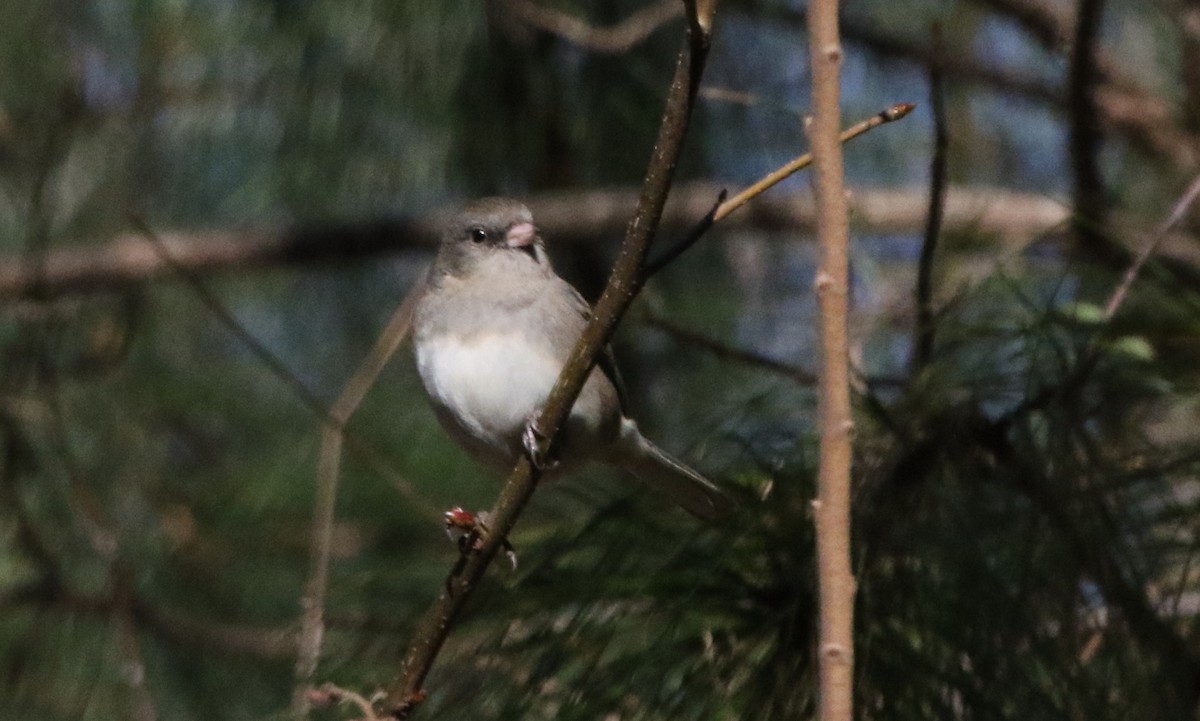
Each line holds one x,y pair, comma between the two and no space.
534,442
469,530
464,528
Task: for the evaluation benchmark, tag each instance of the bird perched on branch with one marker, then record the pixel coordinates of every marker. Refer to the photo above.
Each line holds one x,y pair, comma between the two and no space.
492,331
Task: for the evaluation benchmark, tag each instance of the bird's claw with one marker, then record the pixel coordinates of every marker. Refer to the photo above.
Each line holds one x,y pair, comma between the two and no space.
469,530
464,528
532,439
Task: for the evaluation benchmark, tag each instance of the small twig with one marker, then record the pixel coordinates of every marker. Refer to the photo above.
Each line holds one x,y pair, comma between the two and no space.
680,247
133,669
279,369
312,618
728,352
1178,211
925,327
617,38
1091,353
729,95
334,433
329,694
725,351
888,115
724,207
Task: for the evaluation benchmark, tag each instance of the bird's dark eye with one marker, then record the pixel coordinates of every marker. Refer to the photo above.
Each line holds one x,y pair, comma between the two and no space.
478,235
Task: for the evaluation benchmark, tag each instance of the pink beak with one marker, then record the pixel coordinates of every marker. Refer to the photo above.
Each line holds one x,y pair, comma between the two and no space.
521,235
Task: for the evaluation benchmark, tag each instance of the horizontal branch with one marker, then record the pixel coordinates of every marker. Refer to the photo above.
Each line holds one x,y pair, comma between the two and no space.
588,218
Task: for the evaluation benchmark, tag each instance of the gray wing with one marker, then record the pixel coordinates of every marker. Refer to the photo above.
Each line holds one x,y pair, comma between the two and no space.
607,362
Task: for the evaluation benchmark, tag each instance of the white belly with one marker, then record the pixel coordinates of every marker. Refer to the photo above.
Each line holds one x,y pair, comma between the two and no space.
491,383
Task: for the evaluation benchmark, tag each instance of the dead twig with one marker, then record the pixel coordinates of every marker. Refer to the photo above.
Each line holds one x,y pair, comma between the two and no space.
1178,211
133,664
329,694
312,618
725,207
279,369
895,112
732,353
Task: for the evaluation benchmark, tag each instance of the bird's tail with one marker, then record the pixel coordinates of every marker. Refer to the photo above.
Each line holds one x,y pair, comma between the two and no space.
649,463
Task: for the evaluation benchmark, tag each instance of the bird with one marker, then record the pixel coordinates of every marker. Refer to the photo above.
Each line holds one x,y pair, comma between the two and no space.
493,328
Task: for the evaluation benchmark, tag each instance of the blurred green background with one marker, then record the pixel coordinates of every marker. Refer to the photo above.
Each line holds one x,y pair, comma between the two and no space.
1026,493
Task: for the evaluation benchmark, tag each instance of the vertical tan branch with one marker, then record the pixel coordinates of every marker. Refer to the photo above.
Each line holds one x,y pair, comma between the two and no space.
312,614
832,507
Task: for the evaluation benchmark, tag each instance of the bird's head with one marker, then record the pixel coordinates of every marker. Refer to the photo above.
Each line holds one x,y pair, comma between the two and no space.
490,229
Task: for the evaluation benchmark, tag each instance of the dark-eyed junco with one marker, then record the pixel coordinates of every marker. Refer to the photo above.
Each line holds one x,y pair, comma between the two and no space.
492,332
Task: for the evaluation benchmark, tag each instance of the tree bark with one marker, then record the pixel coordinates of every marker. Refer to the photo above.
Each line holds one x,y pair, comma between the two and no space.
832,507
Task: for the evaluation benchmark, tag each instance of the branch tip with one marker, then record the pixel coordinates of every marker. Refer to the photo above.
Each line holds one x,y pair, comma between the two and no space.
897,111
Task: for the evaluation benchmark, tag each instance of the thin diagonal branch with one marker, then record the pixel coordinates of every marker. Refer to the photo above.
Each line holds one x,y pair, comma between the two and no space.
134,668
724,351
725,207
1092,351
278,368
895,112
432,630
312,618
732,353
1178,211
